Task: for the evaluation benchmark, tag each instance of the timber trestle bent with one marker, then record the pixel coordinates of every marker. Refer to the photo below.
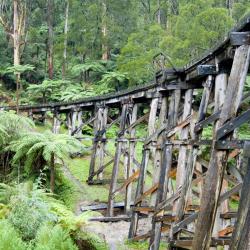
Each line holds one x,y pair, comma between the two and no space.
184,172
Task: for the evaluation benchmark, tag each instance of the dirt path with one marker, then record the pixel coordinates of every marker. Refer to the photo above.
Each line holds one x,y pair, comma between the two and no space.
116,233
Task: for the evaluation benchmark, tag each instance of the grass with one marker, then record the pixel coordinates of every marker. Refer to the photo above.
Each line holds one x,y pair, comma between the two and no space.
143,245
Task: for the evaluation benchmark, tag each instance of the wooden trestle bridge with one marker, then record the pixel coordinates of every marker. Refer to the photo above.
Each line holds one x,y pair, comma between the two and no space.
182,190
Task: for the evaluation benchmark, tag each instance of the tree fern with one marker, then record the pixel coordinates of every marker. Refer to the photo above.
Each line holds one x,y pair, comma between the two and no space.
47,145
113,79
88,66
12,125
76,92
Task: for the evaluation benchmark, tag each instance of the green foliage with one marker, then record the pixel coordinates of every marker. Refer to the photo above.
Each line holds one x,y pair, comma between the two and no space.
87,67
68,220
48,90
12,125
33,145
9,238
113,79
19,69
51,237
90,241
29,208
136,57
76,92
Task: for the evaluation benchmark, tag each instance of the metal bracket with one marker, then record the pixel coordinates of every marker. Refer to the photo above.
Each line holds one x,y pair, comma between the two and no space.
240,38
204,70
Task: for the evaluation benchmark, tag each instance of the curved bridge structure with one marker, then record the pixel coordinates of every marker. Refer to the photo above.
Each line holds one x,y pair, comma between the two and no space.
193,163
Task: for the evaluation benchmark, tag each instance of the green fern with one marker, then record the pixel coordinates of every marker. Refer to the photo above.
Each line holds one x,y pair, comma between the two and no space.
54,237
113,78
88,66
76,92
33,146
9,238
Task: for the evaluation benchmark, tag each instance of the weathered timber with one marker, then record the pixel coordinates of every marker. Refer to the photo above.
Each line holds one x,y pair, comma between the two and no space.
213,181
165,169
117,160
131,167
144,165
240,238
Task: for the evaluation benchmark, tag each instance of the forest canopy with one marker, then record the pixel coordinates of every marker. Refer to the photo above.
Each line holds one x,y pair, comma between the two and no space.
72,49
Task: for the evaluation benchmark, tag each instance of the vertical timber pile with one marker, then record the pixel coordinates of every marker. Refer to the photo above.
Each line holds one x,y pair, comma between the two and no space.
241,237
99,141
166,165
214,177
131,156
56,122
190,158
118,153
143,169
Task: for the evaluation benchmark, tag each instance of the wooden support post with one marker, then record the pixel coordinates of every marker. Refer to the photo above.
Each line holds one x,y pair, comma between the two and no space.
131,166
158,152
214,177
30,114
43,117
220,91
182,158
166,164
99,141
56,123
73,120
79,123
144,165
240,238
69,123
102,120
113,184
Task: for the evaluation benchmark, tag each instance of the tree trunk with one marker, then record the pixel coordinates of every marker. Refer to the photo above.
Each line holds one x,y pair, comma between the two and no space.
159,12
175,7
16,39
50,38
52,173
64,66
105,52
230,7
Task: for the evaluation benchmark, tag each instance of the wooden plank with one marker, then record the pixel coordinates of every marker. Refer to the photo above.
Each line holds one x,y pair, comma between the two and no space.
194,216
100,169
138,121
127,182
225,231
102,206
143,209
83,125
228,215
187,243
233,124
146,193
215,116
111,219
